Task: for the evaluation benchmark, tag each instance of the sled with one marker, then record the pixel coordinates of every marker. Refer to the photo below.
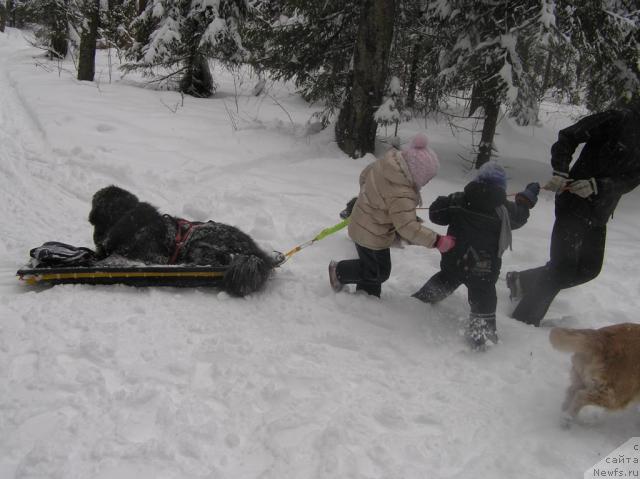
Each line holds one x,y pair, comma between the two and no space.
176,276
60,263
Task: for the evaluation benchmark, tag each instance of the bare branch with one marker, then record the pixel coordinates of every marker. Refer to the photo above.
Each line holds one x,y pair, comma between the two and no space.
283,108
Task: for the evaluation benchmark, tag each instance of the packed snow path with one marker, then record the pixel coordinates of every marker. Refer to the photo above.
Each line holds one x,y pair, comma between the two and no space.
294,382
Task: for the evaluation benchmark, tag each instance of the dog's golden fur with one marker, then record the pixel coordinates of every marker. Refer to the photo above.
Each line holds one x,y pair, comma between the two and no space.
605,366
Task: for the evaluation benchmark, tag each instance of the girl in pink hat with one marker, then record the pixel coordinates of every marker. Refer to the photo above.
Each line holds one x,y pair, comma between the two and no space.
386,207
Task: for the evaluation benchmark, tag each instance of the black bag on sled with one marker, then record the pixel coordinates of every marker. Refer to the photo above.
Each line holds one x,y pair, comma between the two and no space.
54,254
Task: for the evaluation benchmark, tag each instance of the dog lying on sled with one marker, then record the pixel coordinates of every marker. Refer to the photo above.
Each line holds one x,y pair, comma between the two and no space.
135,230
605,366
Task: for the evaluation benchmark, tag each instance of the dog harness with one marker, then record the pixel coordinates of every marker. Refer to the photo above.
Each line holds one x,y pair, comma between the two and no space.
184,230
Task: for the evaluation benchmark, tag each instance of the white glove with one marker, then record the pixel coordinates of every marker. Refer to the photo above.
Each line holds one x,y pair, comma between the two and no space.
556,183
584,188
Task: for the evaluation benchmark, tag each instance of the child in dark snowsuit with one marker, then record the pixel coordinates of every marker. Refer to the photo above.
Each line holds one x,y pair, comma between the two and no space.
481,219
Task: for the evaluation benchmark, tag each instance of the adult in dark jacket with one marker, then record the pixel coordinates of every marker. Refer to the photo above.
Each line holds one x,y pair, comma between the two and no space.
481,219
587,194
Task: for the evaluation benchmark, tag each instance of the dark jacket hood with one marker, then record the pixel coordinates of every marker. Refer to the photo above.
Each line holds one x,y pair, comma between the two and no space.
484,197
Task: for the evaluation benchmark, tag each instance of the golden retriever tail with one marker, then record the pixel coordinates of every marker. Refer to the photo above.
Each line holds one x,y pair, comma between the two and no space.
575,340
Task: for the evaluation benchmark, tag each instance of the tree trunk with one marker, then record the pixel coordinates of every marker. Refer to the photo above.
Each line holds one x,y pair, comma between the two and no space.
3,16
59,32
10,14
197,80
144,29
485,149
356,128
546,78
476,98
413,74
579,69
88,40
59,44
486,94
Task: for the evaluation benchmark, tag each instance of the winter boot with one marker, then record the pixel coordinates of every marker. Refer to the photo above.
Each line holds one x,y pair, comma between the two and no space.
336,285
481,331
513,283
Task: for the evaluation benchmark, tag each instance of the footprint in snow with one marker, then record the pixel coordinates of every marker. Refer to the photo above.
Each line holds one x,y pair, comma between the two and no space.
104,128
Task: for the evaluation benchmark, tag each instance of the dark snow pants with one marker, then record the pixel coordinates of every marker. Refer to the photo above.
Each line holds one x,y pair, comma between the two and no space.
368,272
577,252
481,293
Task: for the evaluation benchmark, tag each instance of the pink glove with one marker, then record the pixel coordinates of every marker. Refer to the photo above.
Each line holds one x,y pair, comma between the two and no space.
445,243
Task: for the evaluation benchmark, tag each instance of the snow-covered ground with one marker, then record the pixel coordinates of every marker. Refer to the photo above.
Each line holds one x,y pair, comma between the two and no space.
294,382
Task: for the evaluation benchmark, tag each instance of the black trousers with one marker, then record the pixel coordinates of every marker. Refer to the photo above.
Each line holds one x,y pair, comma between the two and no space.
576,256
368,272
481,292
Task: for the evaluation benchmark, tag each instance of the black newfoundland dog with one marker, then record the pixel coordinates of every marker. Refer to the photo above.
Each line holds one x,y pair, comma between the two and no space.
133,229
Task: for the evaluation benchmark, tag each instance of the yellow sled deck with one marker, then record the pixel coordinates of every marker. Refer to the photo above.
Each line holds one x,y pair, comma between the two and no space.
177,276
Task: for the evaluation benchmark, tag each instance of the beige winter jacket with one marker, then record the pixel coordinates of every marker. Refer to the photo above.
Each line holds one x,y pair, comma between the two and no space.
387,205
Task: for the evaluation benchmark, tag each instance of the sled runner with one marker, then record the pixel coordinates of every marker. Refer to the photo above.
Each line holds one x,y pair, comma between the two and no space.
177,276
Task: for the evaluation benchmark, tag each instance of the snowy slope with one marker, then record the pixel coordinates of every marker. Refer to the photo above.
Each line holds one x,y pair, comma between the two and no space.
294,382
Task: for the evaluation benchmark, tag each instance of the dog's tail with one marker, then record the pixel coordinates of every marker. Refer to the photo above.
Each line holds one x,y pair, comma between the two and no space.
247,273
574,340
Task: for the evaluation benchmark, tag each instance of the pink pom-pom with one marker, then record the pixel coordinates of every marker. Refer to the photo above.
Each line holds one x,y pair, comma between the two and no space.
419,141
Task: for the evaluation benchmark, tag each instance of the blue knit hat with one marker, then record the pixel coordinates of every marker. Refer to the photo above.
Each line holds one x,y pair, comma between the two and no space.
492,173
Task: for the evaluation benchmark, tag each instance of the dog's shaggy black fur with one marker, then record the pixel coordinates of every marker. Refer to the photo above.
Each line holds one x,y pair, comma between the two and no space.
133,229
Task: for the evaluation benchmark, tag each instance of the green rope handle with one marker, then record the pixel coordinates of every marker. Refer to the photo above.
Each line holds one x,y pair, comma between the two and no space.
323,234
333,229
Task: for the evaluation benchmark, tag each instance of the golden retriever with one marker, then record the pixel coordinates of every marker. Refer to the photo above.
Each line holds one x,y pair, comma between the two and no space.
605,366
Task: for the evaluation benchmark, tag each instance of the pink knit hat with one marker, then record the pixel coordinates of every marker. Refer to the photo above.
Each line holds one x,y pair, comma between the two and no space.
422,161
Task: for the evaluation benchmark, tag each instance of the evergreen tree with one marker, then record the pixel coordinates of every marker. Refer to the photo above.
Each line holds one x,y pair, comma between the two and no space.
533,81
142,28
115,22
309,43
414,56
484,55
184,35
53,18
392,111
18,12
605,36
314,44
564,73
